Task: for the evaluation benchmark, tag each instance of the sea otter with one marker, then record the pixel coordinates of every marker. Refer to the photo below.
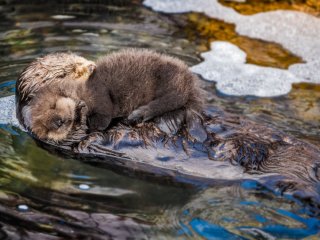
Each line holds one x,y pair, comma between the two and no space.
139,84
135,84
56,68
278,163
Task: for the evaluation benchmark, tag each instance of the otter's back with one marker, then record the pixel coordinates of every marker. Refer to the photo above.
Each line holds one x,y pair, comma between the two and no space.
136,77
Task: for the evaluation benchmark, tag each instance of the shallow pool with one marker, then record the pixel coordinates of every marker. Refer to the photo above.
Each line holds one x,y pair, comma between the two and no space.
43,196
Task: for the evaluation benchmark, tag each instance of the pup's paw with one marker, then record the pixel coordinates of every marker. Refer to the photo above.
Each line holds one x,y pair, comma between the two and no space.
94,124
92,139
82,104
140,114
98,122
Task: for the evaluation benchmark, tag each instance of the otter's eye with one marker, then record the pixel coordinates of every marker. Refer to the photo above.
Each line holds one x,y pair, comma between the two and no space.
62,75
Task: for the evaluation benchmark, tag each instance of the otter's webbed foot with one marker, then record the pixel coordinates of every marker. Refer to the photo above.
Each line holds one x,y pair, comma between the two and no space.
142,113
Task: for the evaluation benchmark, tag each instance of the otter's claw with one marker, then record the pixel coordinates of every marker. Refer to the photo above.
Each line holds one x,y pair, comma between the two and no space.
82,104
142,113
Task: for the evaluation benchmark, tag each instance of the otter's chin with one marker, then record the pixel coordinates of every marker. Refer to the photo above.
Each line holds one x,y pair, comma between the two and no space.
58,136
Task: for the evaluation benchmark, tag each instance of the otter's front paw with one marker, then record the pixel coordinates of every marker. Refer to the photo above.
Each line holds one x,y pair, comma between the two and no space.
91,139
98,122
95,124
82,104
140,114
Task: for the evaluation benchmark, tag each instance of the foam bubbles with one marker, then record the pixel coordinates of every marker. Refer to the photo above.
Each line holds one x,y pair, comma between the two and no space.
23,208
84,187
295,31
225,64
8,111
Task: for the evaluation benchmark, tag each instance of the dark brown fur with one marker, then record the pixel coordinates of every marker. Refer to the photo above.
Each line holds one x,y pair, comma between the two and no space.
140,85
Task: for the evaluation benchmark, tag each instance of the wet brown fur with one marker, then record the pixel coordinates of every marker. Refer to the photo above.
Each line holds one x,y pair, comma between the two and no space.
140,85
53,112
50,115
58,68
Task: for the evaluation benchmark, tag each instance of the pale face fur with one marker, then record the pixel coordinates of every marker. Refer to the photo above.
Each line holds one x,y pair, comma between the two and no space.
55,67
53,119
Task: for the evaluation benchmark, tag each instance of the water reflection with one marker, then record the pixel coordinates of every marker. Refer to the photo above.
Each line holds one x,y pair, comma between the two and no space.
49,188
235,213
46,196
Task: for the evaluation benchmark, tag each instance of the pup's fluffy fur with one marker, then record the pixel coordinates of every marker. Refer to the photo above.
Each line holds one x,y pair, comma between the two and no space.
138,84
57,68
50,114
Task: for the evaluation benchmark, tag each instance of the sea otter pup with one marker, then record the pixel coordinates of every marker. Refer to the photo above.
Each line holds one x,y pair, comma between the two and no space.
135,84
57,68
139,85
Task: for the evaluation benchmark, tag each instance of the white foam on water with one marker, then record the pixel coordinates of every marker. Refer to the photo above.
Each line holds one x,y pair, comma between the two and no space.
8,111
295,31
225,64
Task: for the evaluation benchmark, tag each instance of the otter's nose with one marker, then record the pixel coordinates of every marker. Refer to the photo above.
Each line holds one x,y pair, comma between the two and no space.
57,123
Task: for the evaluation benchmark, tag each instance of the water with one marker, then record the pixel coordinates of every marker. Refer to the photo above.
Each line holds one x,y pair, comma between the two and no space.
43,196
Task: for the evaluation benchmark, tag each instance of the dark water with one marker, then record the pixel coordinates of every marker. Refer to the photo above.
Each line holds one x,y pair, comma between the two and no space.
43,196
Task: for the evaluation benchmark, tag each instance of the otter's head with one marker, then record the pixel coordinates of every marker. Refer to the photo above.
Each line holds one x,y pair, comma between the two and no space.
62,68
52,118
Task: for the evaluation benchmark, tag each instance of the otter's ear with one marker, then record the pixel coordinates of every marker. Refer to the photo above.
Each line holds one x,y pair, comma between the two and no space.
91,68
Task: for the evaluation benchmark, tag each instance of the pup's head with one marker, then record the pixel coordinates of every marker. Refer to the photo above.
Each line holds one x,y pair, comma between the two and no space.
54,67
52,117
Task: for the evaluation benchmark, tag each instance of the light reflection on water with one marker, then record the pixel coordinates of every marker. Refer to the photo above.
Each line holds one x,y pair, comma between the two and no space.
67,194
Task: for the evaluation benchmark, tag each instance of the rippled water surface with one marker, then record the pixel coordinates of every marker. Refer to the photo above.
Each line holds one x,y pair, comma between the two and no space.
43,196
